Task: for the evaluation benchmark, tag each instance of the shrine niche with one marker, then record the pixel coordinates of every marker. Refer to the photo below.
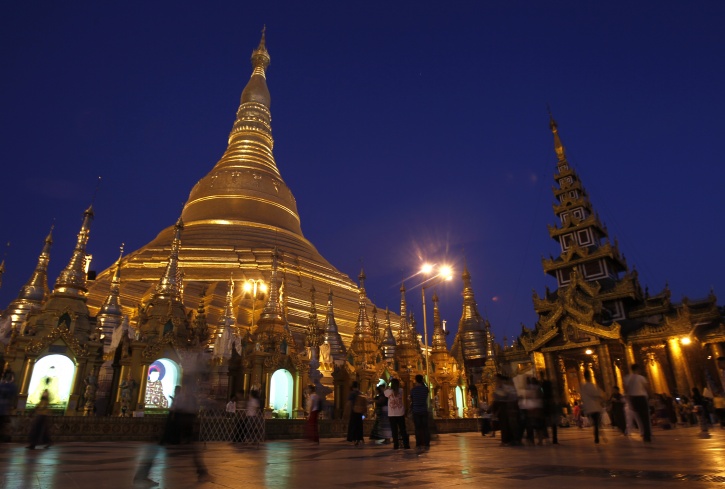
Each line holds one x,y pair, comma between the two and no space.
163,377
54,373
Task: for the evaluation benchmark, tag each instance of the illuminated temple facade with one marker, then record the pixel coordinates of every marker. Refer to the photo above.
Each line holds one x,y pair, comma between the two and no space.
600,319
232,297
228,296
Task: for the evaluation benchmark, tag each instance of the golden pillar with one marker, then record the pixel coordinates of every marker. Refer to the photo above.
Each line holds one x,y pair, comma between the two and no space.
605,365
678,367
27,373
630,355
267,391
142,386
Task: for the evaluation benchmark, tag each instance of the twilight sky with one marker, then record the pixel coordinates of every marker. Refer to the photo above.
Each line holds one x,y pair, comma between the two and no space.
406,131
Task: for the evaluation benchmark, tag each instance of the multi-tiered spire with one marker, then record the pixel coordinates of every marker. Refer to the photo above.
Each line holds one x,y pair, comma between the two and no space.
407,351
245,186
438,342
315,334
72,280
332,336
111,313
272,311
225,337
363,346
583,239
470,342
35,291
170,284
388,343
112,304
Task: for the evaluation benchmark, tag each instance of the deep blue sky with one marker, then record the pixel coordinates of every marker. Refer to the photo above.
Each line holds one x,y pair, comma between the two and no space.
404,129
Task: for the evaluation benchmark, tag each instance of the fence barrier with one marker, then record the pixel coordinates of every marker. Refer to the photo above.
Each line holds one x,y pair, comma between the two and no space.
235,427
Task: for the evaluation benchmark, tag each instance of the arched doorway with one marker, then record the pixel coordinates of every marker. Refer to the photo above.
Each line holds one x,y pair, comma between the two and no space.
280,393
163,377
54,373
459,401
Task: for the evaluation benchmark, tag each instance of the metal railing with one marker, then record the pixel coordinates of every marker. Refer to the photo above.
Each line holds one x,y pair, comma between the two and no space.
234,427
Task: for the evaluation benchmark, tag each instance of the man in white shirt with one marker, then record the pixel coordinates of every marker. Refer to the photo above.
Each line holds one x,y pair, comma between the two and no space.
636,388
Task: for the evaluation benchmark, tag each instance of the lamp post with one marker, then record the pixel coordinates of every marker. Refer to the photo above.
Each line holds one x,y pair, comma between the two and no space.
256,289
445,273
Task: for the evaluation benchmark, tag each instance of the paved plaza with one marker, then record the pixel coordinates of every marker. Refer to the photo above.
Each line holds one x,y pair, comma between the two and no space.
677,458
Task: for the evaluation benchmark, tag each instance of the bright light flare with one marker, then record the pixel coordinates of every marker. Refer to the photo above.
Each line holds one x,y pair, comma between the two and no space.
686,340
446,272
588,351
426,269
247,287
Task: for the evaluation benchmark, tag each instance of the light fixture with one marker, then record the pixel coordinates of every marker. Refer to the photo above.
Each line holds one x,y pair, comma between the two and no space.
685,340
588,351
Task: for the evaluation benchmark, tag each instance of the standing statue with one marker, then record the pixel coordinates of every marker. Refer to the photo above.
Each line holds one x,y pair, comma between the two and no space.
89,408
127,387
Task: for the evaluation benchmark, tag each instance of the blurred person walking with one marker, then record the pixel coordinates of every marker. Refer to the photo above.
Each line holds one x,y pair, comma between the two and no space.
396,414
8,395
636,388
551,410
186,409
616,410
40,428
592,403
312,430
358,407
419,408
381,429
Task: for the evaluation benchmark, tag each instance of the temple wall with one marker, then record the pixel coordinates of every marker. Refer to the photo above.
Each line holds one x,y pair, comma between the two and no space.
150,428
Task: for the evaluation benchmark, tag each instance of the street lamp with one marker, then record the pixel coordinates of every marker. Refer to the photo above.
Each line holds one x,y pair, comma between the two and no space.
445,274
256,290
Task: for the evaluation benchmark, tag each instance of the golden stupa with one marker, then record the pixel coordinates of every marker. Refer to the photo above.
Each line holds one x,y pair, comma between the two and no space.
234,218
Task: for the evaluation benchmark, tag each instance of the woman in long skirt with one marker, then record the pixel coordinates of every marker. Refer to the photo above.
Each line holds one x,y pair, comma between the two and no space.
381,432
616,410
355,425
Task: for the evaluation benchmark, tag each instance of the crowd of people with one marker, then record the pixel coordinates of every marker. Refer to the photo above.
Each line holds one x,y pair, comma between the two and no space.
532,414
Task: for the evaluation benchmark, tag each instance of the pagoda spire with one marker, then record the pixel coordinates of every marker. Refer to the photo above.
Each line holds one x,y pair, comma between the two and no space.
245,185
470,342
315,334
170,283
225,336
362,326
110,315
439,336
558,145
229,303
403,329
72,280
273,309
375,326
112,304
332,336
35,291
200,326
362,345
388,342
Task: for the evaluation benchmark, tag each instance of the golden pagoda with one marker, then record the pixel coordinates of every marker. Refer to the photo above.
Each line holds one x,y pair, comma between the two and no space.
234,218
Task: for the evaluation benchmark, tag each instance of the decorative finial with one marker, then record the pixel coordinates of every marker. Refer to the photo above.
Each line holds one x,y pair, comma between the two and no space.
95,192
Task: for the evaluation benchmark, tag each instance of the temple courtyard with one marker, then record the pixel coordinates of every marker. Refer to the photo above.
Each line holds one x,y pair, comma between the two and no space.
675,458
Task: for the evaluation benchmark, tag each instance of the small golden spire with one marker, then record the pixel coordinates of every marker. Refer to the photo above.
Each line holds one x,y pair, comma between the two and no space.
260,56
72,280
558,146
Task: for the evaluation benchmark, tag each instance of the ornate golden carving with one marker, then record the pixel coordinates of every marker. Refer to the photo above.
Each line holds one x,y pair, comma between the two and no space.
58,332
